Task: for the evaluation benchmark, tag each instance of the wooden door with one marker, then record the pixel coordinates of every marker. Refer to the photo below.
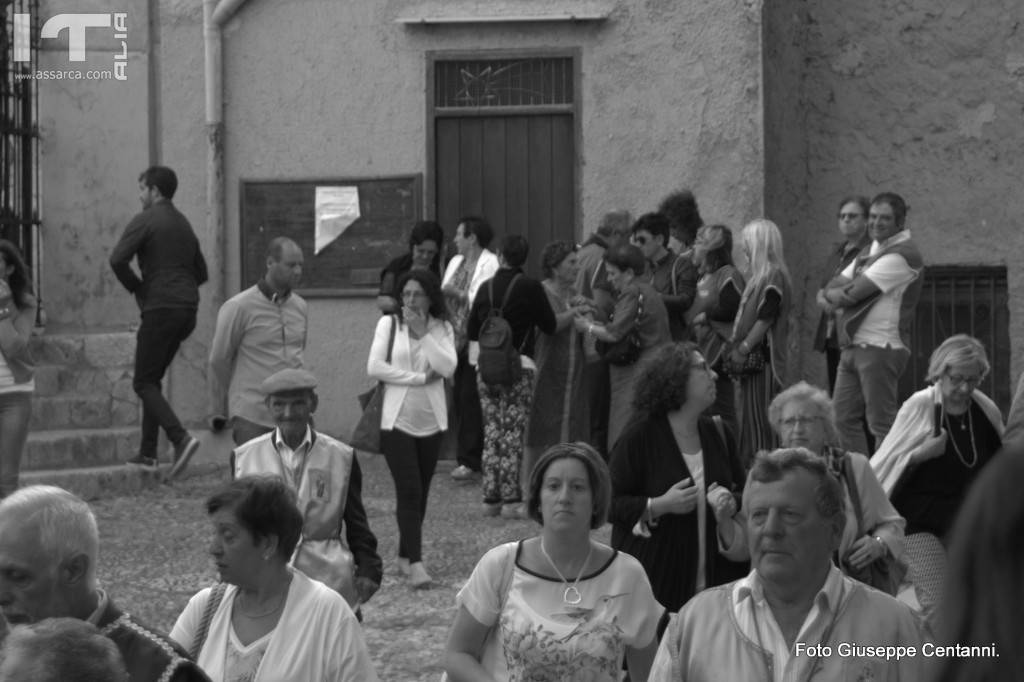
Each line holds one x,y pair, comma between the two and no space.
516,171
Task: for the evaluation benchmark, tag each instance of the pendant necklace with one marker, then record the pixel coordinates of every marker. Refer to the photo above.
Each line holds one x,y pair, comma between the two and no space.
264,614
572,595
967,423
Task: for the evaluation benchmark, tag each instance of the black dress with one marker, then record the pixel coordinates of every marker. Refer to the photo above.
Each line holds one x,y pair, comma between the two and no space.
646,462
930,495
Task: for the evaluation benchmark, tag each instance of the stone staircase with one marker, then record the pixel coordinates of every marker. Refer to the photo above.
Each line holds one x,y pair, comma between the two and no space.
85,415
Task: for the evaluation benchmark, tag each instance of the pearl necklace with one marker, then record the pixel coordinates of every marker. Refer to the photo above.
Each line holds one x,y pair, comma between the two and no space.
968,424
572,595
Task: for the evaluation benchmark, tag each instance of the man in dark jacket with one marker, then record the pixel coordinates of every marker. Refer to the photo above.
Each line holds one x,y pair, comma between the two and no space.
172,268
49,546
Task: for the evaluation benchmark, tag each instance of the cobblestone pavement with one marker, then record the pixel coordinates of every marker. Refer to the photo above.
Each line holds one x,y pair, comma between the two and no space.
153,558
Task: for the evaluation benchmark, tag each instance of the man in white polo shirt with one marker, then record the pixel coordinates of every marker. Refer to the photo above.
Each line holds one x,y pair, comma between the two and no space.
875,297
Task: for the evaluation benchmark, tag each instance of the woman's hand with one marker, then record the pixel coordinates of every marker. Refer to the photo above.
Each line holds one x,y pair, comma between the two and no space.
931,448
582,323
453,291
679,499
699,318
416,320
722,503
737,358
864,552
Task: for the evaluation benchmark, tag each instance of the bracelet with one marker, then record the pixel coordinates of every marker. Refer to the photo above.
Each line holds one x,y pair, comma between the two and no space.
650,513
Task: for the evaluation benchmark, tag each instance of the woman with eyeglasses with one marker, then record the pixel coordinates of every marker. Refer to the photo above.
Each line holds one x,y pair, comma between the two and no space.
803,417
943,436
412,353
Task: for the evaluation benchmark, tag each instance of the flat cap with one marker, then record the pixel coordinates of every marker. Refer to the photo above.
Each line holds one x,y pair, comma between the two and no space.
288,380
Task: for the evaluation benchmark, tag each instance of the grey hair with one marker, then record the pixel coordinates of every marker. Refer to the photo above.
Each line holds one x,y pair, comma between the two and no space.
959,349
803,392
771,466
65,523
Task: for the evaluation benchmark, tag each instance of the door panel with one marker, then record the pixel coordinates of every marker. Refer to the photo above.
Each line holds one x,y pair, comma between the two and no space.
517,171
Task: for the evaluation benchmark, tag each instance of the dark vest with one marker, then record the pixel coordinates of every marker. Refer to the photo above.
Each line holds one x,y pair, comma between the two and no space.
851,318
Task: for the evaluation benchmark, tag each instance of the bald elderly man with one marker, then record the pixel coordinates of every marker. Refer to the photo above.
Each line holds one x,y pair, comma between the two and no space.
259,331
337,546
49,545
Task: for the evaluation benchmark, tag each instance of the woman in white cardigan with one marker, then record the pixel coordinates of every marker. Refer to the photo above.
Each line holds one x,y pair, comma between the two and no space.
414,415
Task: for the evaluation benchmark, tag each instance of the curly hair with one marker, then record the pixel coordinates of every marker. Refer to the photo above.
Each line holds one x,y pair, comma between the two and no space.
683,215
553,255
661,386
20,280
719,246
431,287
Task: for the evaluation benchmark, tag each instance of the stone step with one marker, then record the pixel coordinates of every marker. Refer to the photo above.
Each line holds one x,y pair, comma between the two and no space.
102,350
76,448
83,380
95,411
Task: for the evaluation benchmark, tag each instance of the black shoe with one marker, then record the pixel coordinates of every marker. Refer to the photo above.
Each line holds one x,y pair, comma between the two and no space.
142,461
183,452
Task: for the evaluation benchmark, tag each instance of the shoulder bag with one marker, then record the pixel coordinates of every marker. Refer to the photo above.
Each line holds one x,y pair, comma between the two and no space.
885,574
366,436
626,350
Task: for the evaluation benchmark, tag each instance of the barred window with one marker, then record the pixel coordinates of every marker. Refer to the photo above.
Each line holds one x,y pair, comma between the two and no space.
503,82
962,300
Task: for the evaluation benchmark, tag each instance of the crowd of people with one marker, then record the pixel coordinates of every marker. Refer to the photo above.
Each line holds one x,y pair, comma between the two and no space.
759,530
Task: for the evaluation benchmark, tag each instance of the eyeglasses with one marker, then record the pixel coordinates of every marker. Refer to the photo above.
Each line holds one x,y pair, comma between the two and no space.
413,294
958,380
640,240
790,422
850,216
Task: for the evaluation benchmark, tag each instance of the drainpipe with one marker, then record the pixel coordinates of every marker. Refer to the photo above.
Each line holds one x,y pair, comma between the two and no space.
215,14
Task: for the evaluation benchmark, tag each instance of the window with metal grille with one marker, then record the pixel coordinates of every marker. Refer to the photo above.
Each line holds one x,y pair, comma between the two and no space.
19,135
962,300
503,82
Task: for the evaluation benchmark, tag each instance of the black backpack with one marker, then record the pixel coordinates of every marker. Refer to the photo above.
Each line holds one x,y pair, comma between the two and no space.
498,363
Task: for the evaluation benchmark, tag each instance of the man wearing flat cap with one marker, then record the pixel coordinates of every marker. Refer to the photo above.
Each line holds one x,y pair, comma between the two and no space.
337,546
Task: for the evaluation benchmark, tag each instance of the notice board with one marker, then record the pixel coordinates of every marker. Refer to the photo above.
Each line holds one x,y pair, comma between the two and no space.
351,263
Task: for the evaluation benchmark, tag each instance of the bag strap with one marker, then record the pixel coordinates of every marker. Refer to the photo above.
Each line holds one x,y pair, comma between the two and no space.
216,596
720,427
391,338
672,274
851,486
508,292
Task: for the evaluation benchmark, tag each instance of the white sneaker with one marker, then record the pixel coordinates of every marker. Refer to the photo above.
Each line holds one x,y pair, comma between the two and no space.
463,473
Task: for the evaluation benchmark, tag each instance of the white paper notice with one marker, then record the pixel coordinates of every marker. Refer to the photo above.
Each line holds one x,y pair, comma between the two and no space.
336,209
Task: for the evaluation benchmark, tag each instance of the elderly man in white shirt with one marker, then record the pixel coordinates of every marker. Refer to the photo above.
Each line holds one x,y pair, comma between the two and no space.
795,616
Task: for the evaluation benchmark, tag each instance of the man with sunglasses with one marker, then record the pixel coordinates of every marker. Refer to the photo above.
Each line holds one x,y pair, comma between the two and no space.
672,275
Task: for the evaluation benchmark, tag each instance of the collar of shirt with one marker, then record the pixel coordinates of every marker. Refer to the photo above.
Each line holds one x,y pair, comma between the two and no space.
271,295
748,595
101,608
669,255
286,452
901,236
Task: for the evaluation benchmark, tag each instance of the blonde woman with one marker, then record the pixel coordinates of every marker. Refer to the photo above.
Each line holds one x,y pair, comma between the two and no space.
757,352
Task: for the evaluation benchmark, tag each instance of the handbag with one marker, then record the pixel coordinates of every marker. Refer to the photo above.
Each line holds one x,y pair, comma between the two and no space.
366,436
753,363
626,350
885,574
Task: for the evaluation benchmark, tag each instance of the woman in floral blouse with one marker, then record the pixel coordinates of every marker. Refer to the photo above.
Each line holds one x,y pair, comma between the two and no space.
559,606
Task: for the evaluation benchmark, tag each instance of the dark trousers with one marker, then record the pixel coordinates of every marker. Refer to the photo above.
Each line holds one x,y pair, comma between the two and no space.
411,460
157,342
597,388
470,430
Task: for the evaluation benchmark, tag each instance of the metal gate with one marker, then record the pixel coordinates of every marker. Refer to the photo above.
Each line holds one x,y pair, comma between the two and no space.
19,137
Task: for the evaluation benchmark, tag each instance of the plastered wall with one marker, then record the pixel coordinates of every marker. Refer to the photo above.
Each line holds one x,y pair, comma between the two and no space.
319,89
920,98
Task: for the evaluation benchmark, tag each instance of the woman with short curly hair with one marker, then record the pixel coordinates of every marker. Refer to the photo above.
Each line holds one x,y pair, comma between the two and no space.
676,480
